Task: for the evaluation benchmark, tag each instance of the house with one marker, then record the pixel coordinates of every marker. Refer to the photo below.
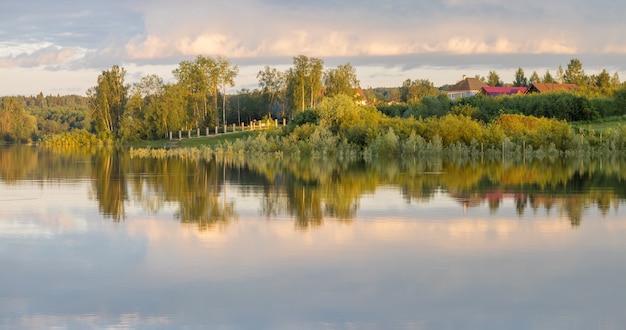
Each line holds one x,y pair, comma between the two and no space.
497,90
548,88
359,96
465,88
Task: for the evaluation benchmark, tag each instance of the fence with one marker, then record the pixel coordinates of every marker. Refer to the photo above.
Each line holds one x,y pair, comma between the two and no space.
226,129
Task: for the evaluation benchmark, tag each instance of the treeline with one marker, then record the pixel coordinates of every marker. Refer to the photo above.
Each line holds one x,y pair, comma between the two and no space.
30,118
563,106
148,109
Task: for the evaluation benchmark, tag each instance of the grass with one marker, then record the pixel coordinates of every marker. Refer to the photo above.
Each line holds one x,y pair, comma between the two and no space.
209,141
212,141
601,125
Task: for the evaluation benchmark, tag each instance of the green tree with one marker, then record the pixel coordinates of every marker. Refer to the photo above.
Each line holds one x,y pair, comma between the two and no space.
534,78
603,79
304,82
574,74
141,119
108,101
272,83
414,91
341,80
520,78
199,80
615,80
493,79
560,75
226,73
170,113
16,125
548,79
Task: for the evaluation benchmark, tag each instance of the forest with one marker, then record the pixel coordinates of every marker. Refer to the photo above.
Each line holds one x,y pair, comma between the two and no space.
317,102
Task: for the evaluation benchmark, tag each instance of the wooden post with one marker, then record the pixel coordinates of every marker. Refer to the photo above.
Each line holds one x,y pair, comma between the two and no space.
170,135
284,122
207,131
276,122
215,130
198,132
234,130
189,133
180,134
242,127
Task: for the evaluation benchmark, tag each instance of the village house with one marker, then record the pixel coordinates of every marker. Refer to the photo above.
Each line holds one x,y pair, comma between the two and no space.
465,88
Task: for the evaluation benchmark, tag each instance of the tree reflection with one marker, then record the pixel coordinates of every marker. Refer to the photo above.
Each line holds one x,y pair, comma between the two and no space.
312,191
194,185
109,182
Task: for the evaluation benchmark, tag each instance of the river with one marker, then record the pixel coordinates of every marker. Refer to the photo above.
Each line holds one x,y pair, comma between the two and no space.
95,238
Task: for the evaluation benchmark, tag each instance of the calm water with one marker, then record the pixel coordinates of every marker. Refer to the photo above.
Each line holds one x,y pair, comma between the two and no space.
97,239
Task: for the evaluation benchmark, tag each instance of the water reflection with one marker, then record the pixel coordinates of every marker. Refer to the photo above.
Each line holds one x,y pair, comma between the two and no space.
427,243
311,191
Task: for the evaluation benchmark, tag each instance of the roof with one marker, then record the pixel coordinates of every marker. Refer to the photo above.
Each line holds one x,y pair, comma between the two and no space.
497,90
467,84
546,88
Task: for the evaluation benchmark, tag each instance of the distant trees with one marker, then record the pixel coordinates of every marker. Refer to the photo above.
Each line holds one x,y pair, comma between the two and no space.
547,78
534,78
150,108
413,91
272,83
574,74
143,118
16,125
520,78
602,80
341,80
493,79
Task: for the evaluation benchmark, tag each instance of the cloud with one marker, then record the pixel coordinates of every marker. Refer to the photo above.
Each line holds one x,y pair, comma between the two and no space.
78,35
39,54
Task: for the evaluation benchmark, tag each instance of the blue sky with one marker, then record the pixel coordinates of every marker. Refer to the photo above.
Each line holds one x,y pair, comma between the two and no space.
62,46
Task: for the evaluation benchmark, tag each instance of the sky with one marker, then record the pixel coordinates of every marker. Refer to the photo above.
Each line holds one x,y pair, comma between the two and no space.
61,46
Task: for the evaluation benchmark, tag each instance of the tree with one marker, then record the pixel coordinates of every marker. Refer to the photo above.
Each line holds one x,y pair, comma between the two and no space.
316,73
197,81
341,80
548,79
603,79
415,91
520,78
108,101
481,78
170,113
615,80
560,75
534,78
493,79
304,82
574,74
142,116
272,83
15,123
226,73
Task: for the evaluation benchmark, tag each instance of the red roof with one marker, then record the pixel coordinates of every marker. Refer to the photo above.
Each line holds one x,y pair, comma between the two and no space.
545,88
495,91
